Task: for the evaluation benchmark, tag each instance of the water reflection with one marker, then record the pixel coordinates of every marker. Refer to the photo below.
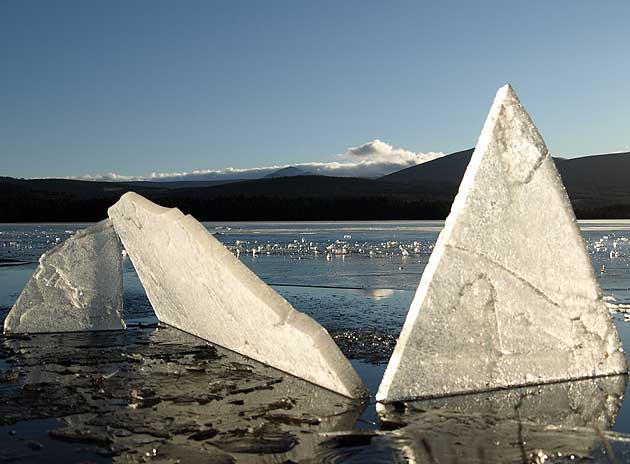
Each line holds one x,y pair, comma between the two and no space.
531,424
379,293
157,393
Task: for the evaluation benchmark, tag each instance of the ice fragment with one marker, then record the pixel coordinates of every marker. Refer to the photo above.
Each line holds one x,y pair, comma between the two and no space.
196,285
77,286
509,296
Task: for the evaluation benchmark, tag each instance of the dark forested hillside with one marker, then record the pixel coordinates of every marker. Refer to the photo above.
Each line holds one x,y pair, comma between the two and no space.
284,198
598,186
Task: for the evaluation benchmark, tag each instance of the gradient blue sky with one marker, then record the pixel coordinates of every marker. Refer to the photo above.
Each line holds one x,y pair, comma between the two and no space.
131,87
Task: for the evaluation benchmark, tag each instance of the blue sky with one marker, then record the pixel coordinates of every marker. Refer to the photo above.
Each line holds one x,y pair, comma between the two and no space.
135,87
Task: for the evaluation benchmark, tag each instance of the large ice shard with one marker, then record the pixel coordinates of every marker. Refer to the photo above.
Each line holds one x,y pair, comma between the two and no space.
77,286
509,296
196,285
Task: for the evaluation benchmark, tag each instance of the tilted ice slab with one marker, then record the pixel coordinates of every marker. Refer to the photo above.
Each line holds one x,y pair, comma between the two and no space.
509,296
195,284
77,286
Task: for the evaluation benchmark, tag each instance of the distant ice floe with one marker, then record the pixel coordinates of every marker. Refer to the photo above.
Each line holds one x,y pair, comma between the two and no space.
329,248
29,245
615,306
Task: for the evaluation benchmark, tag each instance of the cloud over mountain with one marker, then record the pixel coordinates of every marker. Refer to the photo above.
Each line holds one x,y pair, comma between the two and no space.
372,159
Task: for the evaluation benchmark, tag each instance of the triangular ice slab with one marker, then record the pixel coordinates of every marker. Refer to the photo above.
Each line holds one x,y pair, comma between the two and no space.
196,285
509,296
77,286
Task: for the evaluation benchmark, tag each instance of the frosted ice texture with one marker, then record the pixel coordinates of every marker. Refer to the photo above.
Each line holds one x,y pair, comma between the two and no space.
196,285
77,286
509,295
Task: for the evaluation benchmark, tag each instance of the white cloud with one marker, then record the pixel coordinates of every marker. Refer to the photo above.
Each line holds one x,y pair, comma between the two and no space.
378,155
375,147
372,159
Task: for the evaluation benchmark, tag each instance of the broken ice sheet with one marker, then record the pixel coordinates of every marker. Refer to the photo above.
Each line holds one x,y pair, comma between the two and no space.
125,394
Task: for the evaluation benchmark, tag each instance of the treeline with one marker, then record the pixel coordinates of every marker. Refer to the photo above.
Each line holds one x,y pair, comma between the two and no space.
289,199
614,211
279,208
262,208
236,208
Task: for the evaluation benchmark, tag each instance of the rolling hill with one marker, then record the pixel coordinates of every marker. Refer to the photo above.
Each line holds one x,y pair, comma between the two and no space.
598,185
448,170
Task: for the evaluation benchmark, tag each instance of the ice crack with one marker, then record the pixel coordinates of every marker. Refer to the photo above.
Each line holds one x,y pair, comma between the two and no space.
509,271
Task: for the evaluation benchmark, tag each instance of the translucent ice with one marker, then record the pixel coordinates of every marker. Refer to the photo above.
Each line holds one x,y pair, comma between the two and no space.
509,426
195,284
509,295
77,286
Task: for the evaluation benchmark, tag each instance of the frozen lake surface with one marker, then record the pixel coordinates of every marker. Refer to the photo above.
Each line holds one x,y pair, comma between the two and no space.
113,396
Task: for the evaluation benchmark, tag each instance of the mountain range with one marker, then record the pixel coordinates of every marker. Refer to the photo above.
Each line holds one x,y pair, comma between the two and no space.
598,187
